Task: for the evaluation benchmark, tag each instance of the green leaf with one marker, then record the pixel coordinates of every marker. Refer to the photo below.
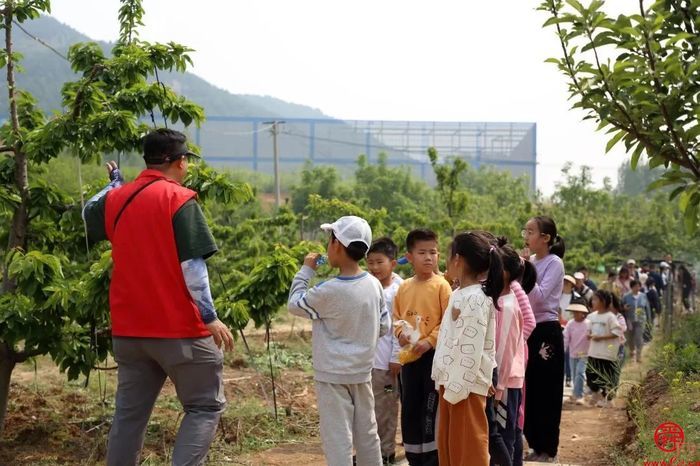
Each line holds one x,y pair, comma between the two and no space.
676,192
690,218
614,140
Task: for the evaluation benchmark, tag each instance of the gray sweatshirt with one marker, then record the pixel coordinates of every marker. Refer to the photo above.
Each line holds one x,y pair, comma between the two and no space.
348,316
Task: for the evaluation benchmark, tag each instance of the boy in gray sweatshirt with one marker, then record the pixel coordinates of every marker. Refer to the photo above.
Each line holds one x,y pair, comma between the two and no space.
348,316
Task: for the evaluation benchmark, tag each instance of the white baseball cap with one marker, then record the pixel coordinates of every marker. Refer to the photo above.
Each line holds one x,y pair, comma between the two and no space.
664,265
632,261
349,229
579,276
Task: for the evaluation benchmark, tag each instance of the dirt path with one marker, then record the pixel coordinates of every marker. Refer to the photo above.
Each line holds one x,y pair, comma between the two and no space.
587,437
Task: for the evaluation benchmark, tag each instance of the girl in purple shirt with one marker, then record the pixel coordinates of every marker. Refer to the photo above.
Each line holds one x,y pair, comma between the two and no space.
544,377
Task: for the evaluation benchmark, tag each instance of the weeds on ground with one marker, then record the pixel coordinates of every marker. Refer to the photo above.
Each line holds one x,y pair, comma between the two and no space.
670,393
53,421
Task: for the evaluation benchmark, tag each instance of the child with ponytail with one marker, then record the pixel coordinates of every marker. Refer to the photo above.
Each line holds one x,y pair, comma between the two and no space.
465,354
511,347
544,377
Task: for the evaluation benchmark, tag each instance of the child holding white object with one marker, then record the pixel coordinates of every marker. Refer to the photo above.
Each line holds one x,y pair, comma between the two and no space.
465,354
605,333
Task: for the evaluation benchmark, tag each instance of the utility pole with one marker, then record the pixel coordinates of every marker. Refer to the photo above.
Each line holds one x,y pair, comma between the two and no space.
274,129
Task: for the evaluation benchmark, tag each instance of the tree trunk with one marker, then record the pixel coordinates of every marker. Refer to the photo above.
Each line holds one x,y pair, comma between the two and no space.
20,219
7,364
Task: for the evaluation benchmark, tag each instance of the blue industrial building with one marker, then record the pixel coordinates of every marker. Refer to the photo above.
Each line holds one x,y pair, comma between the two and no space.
246,142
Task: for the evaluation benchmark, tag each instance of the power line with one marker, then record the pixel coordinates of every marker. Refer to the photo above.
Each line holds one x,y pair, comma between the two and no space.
16,23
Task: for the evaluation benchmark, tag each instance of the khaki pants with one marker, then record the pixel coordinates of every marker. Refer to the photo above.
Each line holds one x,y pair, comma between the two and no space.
346,413
463,432
195,365
386,409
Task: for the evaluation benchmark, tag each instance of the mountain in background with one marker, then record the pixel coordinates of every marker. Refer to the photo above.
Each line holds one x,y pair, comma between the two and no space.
223,141
45,72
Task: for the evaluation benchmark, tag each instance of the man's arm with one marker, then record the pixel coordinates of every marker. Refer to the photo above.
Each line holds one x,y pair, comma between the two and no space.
197,281
94,211
194,244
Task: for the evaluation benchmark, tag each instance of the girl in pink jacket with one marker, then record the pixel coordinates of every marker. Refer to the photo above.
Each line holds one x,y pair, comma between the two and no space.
514,324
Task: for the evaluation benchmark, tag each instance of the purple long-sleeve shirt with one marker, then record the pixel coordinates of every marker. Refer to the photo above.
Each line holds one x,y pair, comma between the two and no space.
544,297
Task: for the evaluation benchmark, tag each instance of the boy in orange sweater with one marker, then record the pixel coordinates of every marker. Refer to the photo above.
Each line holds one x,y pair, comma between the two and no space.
426,294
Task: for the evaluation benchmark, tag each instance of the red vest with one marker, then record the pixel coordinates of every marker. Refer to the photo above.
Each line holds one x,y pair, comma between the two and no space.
148,296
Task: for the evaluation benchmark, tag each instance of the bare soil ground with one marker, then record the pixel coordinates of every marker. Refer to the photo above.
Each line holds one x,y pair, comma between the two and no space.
51,421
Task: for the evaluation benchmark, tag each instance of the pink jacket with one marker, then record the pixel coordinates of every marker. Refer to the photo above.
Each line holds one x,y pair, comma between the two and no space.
529,324
510,344
524,303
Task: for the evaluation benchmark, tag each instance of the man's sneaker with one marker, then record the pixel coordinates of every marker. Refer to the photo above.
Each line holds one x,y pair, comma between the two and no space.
568,383
388,460
602,403
549,459
580,402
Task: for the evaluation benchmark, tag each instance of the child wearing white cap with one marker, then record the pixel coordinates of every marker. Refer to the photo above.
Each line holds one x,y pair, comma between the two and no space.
348,315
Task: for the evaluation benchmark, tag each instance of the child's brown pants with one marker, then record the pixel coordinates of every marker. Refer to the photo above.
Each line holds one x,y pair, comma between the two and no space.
463,434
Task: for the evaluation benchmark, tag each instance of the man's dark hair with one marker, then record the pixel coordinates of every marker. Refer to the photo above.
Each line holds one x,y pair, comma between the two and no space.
420,234
160,143
386,246
356,250
634,283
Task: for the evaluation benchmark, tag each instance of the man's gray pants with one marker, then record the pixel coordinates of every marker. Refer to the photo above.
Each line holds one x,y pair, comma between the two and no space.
195,366
346,413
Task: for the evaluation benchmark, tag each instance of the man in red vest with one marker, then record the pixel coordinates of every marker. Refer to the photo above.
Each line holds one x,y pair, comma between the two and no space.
163,319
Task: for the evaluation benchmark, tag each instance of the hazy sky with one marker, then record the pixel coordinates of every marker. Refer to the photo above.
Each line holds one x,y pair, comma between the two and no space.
444,60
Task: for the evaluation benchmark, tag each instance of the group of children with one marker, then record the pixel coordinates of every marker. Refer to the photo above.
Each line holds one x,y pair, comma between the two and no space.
469,334
593,341
599,325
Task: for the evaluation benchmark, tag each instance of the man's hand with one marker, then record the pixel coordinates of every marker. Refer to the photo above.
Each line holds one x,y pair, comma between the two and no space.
221,334
310,260
421,347
114,173
394,368
492,390
403,341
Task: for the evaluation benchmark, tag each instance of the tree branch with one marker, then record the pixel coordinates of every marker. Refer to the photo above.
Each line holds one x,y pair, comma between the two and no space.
7,149
110,368
680,147
25,354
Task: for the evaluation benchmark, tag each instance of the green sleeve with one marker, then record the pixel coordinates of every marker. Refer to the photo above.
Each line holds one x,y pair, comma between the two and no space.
94,215
192,234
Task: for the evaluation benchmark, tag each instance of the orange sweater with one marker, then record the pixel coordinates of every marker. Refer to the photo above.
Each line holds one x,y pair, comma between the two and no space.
427,298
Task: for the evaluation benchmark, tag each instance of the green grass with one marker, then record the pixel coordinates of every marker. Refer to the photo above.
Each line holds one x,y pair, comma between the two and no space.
679,405
671,393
